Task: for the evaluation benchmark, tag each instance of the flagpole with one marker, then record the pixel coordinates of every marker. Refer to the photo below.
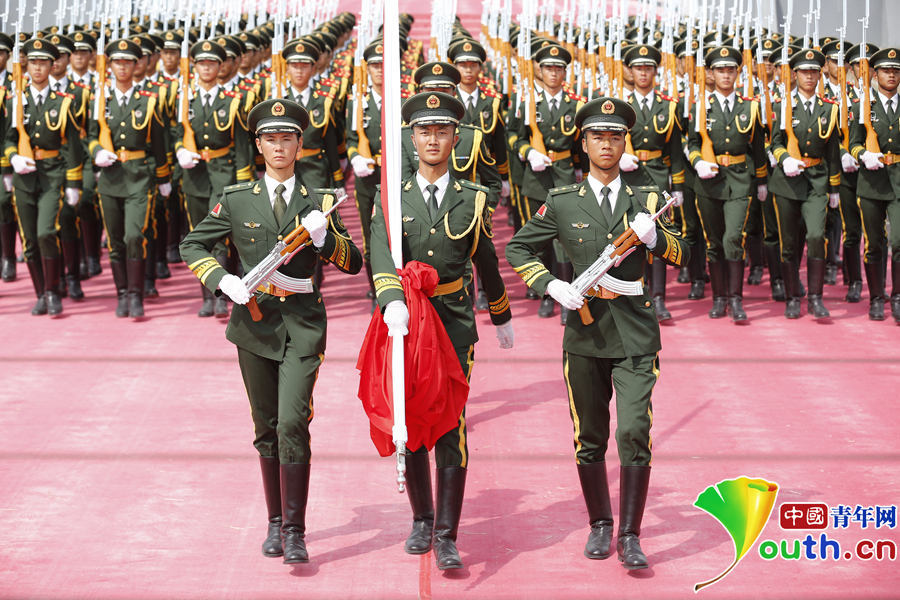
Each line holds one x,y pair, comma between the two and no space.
390,189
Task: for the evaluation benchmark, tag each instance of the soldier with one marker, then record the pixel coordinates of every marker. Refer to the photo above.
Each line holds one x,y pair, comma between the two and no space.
129,173
724,187
7,214
878,187
555,120
803,187
451,216
168,77
619,350
280,354
53,177
658,155
223,149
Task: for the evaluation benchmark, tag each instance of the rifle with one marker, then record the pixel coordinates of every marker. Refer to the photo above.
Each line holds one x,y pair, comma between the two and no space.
612,256
105,137
267,268
865,82
842,82
188,140
787,102
706,145
761,70
536,138
18,103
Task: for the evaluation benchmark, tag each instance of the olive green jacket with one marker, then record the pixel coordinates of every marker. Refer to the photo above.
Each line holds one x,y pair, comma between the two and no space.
881,184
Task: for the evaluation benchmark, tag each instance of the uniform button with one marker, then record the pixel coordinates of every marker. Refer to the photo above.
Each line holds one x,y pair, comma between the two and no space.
647,304
646,127
206,124
646,140
405,234
609,236
319,300
727,128
122,136
37,135
37,123
433,230
808,143
205,136
580,240
461,298
282,299
279,237
553,128
809,130
727,140
252,240
122,124
431,253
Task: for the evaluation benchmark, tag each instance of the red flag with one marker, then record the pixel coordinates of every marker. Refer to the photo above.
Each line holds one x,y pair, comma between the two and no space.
436,388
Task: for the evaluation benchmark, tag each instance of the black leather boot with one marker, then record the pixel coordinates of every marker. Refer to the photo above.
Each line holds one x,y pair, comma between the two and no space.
658,289
815,272
150,290
717,281
161,268
51,286
854,273
272,490
90,238
595,489
736,290
73,272
792,302
135,268
895,289
776,279
530,294
37,280
173,238
684,275
755,253
418,489
875,280
294,493
545,310
120,279
451,485
634,481
370,293
206,309
8,251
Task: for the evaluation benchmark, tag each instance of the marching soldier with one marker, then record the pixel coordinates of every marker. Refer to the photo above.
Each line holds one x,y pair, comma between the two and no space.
619,349
804,187
446,223
280,354
724,187
7,214
41,185
129,173
223,149
878,186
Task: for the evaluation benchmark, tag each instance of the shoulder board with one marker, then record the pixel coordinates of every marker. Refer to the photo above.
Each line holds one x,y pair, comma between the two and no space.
246,88
147,94
663,96
855,100
828,100
472,185
231,94
748,99
81,85
490,93
328,81
646,189
565,188
158,83
65,95
325,93
405,93
239,186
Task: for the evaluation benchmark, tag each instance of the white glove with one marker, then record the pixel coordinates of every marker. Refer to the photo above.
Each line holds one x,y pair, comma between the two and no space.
706,170
504,189
679,198
628,162
7,182
105,158
645,229
186,158
772,160
792,167
565,294
73,195
165,189
234,288
362,166
396,317
22,165
505,335
538,161
872,160
762,192
834,200
317,225
849,164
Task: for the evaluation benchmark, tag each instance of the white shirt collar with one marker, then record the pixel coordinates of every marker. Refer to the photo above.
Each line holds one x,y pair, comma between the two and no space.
557,97
304,95
464,96
377,97
271,184
59,84
442,182
231,83
40,94
731,98
638,98
597,188
213,93
124,95
885,99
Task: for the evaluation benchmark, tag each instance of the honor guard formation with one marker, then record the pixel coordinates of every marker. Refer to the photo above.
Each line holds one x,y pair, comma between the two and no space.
617,146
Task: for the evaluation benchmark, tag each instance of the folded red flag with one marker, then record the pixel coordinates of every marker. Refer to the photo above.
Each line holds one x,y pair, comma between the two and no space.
436,388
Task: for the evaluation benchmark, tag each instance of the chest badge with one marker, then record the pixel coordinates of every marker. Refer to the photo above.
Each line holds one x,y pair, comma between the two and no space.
315,112
568,118
138,114
408,219
581,225
54,112
252,225
221,113
661,118
823,120
743,118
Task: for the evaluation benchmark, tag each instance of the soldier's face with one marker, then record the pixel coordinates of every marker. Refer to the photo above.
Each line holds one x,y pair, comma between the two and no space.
807,80
227,70
39,70
553,76
888,78
247,60
169,59
140,67
434,143
4,56
724,78
81,60
376,74
831,68
604,148
279,150
300,73
627,75
207,71
469,71
643,76
123,69
59,66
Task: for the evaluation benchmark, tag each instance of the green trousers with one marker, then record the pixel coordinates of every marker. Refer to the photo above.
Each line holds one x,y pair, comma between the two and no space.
590,382
365,199
874,215
38,216
126,220
723,226
851,220
791,215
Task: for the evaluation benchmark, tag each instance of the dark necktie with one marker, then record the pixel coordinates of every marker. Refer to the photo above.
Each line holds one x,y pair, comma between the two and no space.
39,102
470,106
645,109
280,205
727,109
605,206
553,107
207,103
432,200
892,109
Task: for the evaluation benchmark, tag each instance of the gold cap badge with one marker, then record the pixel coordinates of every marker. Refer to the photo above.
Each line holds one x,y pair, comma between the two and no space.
278,109
608,108
433,101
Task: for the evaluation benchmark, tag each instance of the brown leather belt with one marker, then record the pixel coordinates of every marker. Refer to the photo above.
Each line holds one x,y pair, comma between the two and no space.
890,158
274,290
646,155
811,162
124,155
555,156
602,293
448,288
41,154
207,153
727,160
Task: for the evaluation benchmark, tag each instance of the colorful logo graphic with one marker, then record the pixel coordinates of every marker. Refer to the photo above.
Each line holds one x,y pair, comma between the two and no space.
742,506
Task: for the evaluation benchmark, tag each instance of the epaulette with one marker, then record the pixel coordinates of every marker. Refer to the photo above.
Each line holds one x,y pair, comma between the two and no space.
81,84
157,83
147,94
239,186
750,99
65,95
664,97
487,91
231,94
828,100
405,93
246,88
565,188
472,185
324,93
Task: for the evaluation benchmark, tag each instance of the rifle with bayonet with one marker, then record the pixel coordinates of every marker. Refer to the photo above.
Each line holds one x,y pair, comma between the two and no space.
787,102
188,140
18,102
706,146
842,82
865,84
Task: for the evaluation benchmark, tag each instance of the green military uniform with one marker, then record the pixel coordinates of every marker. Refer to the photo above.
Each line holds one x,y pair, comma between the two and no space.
280,354
446,233
7,214
723,201
878,190
619,349
126,187
804,197
38,196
